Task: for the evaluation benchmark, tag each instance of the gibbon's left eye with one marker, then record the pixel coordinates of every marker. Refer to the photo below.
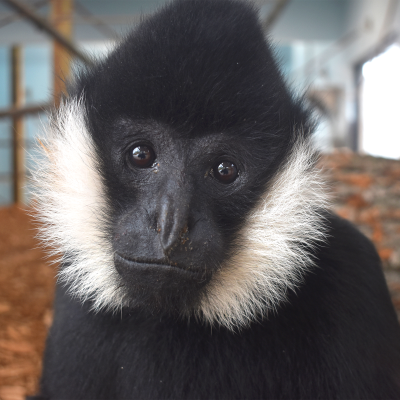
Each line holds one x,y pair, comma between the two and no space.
225,172
141,156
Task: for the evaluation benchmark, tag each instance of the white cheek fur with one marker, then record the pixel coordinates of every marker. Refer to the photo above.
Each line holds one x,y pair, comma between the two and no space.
271,257
270,260
71,207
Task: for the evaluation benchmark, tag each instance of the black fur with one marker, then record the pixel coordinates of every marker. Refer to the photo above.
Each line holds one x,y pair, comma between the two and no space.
197,81
338,338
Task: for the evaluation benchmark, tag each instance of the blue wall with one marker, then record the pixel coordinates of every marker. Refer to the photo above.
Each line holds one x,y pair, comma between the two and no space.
38,88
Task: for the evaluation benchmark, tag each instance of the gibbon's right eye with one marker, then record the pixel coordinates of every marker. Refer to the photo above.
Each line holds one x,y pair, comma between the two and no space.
141,156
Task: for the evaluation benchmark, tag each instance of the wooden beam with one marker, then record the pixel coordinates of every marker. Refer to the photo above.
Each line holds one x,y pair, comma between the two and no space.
15,17
25,110
61,19
18,126
44,25
275,13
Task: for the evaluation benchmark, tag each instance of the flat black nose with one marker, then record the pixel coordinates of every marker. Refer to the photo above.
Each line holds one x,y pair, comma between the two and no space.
172,220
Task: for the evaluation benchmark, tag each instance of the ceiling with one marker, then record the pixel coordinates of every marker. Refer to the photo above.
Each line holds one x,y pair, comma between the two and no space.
300,19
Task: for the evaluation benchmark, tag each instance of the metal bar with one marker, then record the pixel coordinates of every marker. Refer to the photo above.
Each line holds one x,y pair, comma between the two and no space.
275,13
15,17
44,25
20,111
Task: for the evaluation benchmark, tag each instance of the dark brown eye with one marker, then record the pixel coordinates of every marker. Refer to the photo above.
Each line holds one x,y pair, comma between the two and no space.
225,172
142,156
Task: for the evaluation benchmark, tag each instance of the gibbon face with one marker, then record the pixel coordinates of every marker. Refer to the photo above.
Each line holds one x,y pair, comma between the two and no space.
178,175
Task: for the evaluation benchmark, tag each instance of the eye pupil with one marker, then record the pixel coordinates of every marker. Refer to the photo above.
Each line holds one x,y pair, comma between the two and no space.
142,156
225,172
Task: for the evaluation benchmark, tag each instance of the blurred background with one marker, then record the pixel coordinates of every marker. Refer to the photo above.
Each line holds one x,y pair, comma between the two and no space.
343,54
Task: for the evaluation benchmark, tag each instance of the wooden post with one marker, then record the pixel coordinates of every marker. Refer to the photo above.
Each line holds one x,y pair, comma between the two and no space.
61,19
18,126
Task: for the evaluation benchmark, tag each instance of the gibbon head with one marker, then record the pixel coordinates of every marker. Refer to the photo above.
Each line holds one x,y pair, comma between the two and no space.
178,176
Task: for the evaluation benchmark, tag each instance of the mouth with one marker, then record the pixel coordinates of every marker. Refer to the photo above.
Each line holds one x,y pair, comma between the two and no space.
141,264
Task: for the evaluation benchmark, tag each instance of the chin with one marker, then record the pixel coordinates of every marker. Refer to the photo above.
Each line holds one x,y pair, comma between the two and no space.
157,286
